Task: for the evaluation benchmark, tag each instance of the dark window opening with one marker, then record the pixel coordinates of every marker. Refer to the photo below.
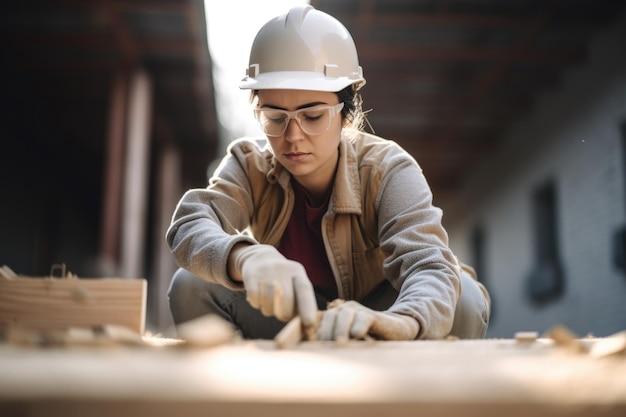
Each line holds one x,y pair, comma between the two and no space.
479,259
546,281
478,253
619,235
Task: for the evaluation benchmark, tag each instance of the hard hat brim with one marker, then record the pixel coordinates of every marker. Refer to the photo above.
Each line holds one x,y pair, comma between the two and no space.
298,80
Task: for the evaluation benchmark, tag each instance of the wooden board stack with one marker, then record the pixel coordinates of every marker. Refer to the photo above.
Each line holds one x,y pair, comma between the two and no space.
49,303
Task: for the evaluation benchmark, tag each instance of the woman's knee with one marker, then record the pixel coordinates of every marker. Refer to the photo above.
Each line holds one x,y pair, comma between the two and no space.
189,297
183,284
471,318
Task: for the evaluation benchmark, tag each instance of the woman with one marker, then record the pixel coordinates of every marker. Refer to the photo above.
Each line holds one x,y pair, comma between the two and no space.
325,212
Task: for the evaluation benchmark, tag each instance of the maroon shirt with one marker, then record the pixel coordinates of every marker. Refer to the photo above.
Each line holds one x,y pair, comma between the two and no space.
302,240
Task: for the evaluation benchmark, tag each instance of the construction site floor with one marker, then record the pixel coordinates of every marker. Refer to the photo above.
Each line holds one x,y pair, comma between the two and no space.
491,377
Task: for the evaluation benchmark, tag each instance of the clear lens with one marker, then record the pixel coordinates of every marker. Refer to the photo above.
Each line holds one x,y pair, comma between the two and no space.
312,120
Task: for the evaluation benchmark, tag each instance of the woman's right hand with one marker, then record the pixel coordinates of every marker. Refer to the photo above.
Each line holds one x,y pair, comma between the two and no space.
274,284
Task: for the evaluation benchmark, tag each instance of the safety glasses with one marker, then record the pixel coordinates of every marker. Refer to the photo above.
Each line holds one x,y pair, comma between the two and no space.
312,120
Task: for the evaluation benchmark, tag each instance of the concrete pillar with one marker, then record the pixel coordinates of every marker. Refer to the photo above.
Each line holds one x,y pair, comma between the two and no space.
113,177
168,193
136,176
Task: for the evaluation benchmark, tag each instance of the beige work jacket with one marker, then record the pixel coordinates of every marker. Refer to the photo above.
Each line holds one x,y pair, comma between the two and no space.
380,225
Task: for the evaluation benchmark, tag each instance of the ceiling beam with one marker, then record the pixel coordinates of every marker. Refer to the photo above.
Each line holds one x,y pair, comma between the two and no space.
166,6
127,44
413,53
436,19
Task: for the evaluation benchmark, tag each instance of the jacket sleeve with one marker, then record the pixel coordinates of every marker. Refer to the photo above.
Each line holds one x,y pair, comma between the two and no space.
208,222
420,264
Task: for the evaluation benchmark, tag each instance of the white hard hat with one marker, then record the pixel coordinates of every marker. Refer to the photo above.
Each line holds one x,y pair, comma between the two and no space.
304,49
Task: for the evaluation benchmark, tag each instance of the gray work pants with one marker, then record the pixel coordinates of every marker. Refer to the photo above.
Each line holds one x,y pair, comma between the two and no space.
190,297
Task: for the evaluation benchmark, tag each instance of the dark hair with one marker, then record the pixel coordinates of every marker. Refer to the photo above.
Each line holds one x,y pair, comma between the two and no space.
352,106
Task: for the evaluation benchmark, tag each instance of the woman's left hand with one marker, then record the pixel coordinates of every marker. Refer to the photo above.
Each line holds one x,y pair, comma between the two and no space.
351,320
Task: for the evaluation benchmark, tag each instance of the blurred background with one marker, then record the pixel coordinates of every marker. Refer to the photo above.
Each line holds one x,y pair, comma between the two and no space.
515,109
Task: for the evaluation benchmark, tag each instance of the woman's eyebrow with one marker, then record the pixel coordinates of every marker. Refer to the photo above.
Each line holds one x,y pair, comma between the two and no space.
315,103
304,106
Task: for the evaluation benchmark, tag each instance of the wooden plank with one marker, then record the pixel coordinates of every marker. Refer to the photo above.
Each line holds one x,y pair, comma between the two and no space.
60,303
431,378
294,332
290,335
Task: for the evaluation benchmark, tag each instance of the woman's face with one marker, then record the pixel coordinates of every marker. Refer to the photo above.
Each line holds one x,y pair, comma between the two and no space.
310,159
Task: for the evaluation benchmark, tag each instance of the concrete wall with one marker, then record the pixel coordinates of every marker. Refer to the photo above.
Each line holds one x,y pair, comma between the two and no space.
572,137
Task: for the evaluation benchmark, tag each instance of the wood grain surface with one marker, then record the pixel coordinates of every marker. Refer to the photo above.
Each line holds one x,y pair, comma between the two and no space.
60,303
493,377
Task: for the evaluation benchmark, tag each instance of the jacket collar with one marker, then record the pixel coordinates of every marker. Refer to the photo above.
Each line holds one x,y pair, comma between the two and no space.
346,195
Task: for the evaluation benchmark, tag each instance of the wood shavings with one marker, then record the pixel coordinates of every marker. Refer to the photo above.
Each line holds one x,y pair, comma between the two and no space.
160,341
80,335
610,346
105,335
613,346
119,334
336,303
566,339
19,336
294,332
526,337
7,273
206,331
290,335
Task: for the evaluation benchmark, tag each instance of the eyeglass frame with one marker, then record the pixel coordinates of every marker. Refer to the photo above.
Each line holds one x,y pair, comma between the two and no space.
334,109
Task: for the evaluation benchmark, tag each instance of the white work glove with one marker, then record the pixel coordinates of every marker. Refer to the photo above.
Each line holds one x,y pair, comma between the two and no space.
275,285
352,320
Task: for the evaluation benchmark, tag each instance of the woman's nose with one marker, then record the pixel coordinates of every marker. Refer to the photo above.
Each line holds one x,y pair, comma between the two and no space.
294,131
